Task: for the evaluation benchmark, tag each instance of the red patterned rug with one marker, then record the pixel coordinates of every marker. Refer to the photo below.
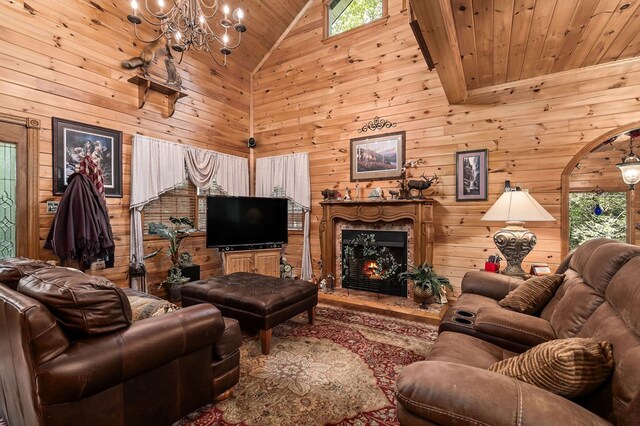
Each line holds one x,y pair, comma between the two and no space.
339,371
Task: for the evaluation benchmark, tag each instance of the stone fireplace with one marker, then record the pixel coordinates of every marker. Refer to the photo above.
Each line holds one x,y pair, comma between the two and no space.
406,223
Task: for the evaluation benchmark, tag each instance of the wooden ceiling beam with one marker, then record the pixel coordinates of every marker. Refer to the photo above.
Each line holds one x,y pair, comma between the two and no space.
435,18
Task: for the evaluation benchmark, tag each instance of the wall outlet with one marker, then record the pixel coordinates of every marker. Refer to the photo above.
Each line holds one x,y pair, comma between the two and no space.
52,207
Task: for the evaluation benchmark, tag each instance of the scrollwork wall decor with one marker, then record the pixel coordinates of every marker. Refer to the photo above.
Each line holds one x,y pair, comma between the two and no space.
377,124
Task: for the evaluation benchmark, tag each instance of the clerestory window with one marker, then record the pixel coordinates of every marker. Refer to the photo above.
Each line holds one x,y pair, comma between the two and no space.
345,15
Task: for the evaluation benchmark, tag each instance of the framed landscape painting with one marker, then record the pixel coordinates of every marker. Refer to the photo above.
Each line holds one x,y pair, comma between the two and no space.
72,141
471,175
377,157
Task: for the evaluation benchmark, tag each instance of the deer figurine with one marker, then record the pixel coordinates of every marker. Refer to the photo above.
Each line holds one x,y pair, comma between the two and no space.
423,184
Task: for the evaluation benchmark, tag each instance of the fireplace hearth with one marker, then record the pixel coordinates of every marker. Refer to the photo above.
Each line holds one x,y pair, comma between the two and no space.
363,271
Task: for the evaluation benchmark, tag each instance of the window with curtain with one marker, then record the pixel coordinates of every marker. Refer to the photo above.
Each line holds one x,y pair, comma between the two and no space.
178,202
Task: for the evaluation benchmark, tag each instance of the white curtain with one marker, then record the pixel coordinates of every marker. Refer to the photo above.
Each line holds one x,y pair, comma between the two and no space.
202,166
233,174
158,166
290,172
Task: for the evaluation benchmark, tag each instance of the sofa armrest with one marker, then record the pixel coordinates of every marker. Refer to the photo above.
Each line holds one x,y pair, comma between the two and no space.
446,393
91,365
495,286
513,326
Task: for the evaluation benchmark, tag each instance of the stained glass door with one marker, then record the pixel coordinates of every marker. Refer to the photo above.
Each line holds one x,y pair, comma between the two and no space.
8,207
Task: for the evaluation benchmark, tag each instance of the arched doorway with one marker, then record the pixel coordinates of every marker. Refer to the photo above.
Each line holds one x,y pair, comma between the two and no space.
593,169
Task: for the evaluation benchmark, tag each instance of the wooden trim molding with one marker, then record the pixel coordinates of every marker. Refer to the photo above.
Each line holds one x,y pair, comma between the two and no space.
564,182
28,245
420,211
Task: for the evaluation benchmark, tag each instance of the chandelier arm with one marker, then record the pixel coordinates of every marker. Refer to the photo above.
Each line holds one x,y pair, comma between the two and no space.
202,6
135,32
224,64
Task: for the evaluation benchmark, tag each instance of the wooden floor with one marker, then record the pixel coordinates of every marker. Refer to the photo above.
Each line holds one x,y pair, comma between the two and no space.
393,306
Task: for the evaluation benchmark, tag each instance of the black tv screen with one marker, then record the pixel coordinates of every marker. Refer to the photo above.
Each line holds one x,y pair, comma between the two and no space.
246,222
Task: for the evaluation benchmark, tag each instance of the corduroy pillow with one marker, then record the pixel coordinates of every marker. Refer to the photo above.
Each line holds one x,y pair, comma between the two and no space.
144,306
532,295
566,367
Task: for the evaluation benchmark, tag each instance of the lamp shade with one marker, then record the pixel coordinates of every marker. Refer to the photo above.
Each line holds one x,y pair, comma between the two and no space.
517,206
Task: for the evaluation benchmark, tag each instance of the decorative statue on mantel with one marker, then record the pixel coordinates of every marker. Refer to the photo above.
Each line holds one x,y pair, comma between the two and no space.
406,185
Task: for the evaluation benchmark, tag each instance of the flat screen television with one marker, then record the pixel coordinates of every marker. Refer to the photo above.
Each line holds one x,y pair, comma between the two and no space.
236,223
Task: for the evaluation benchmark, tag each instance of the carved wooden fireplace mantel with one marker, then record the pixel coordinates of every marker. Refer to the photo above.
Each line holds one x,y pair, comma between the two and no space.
420,211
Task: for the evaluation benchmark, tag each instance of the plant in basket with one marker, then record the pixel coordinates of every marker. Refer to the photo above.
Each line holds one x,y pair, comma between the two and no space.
180,229
429,287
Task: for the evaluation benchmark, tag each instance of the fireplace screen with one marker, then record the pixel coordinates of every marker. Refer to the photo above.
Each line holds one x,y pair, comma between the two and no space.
372,260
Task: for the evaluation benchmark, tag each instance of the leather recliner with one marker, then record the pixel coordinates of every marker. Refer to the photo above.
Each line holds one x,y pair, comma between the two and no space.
599,298
151,372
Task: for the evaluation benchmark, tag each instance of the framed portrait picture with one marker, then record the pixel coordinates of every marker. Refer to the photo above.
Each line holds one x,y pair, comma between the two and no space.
72,141
471,175
377,157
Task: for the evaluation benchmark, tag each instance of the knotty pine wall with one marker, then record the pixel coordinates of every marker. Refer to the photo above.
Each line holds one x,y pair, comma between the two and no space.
313,95
62,59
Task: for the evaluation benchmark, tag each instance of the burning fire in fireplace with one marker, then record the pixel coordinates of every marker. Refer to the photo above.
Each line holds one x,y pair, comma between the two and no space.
371,269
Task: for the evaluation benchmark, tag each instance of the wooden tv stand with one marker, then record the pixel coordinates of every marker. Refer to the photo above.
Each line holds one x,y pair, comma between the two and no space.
264,261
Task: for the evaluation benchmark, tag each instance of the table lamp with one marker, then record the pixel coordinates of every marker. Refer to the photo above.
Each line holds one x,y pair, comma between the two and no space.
514,241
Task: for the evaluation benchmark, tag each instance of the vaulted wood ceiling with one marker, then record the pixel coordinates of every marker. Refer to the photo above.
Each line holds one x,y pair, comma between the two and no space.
498,41
266,20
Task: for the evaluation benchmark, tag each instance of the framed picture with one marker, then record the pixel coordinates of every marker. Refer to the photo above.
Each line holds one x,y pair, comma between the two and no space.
377,157
471,175
72,141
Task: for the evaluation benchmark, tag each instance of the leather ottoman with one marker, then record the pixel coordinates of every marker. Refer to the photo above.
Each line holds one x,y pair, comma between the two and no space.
258,302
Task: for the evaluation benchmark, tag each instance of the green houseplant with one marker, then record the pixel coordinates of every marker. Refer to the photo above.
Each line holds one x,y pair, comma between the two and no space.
180,229
428,285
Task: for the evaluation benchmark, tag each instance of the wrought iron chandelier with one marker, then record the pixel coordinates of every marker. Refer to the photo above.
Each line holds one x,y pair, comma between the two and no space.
184,23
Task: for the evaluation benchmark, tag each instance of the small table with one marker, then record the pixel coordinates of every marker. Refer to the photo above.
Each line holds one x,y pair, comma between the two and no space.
256,301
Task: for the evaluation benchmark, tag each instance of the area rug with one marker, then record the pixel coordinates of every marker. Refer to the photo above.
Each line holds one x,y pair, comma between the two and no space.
339,371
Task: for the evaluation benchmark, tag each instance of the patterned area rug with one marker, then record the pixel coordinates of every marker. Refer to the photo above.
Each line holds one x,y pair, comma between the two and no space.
339,371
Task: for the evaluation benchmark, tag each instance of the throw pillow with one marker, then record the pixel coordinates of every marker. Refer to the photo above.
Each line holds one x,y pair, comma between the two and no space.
566,367
532,295
14,268
82,303
145,306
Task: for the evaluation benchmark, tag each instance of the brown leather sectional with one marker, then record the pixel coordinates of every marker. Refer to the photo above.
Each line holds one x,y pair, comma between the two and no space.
599,298
70,354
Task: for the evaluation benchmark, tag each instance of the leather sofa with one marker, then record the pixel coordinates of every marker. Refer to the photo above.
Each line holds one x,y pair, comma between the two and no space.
599,297
70,354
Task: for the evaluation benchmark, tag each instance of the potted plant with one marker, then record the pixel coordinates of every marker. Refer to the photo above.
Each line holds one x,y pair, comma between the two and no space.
181,228
428,285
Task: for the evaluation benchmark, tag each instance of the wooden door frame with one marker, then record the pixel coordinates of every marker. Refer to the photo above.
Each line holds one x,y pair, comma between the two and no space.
566,173
29,244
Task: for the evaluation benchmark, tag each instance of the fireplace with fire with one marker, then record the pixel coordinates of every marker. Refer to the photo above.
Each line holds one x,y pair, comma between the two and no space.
374,267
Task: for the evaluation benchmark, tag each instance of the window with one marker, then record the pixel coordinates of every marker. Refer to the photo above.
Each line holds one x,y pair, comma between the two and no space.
594,215
296,216
178,202
345,15
294,210
214,189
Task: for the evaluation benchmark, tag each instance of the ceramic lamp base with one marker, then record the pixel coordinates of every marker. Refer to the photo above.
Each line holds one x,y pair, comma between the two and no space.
514,242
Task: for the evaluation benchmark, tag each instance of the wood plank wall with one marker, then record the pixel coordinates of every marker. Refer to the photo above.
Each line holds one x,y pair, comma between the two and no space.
313,96
63,59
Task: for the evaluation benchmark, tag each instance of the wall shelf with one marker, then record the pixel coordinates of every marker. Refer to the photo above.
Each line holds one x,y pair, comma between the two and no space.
144,85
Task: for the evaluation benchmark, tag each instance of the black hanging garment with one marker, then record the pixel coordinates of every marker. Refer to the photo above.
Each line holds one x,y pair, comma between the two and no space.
81,229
